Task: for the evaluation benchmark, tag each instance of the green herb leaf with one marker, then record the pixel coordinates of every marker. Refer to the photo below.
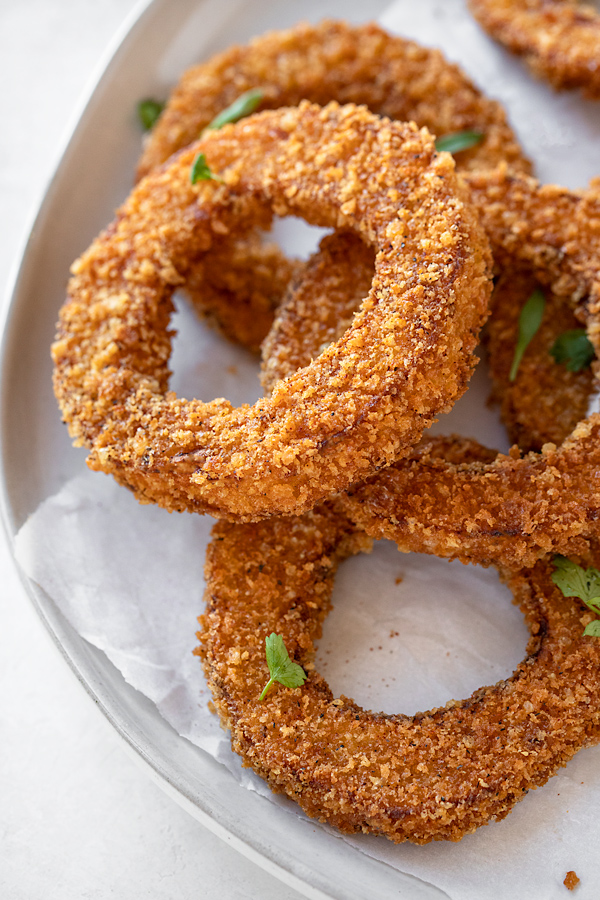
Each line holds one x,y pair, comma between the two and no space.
574,581
459,140
281,667
529,322
244,105
574,349
201,171
148,112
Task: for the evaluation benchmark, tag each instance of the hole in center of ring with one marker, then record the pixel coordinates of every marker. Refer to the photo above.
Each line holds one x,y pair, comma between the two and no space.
409,632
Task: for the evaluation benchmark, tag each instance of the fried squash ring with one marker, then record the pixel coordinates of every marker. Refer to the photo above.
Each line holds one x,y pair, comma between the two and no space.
363,402
542,405
510,509
437,775
330,61
559,39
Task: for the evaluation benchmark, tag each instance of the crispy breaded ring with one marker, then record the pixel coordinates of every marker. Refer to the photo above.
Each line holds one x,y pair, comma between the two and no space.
334,60
550,230
329,61
363,402
559,39
432,776
509,511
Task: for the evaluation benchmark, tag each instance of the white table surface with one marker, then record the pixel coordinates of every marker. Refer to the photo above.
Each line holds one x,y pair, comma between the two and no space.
77,817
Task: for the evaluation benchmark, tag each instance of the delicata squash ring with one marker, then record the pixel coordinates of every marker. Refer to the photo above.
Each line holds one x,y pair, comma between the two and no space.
363,402
432,776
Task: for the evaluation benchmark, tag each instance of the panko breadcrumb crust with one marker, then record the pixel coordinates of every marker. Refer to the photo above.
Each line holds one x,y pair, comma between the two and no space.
329,61
510,510
335,60
435,775
558,39
366,399
542,405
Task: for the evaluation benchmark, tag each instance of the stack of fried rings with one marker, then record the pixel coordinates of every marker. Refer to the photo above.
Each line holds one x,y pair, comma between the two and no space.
415,809
357,407
329,61
508,509
440,774
241,282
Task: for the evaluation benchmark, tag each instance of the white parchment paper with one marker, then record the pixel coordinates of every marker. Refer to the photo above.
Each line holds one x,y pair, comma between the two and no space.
407,632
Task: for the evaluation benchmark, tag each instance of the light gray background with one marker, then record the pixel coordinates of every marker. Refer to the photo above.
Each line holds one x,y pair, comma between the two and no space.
77,817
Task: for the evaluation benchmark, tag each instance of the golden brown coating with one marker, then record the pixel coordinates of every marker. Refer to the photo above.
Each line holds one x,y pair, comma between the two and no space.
432,776
511,511
551,231
334,60
545,401
319,305
363,402
238,286
329,61
559,39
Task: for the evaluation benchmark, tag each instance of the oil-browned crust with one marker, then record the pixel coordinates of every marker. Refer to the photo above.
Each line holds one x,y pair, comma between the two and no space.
512,510
559,39
364,402
545,401
319,305
335,60
539,233
238,286
432,776
329,61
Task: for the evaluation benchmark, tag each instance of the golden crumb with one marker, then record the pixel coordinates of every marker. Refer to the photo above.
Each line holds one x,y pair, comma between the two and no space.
571,881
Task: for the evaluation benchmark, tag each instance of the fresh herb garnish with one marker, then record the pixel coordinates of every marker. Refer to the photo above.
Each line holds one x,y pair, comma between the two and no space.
574,581
148,112
245,104
201,171
529,322
281,667
574,349
459,140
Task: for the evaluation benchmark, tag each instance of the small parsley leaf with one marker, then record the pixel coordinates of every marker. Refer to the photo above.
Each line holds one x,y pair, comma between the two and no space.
593,629
148,112
529,322
245,104
459,140
574,581
574,349
201,171
281,667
